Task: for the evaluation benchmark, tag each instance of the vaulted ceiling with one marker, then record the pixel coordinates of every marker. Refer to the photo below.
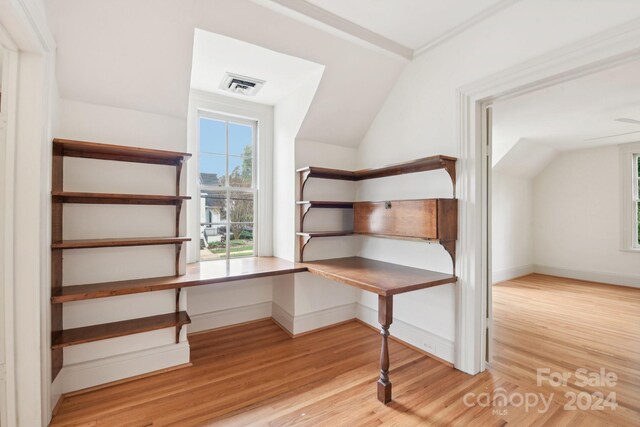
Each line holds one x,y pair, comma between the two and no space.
138,54
591,111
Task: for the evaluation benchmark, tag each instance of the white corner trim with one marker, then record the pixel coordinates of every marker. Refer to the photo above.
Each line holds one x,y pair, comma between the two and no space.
230,316
282,317
417,337
101,371
511,273
311,11
590,276
321,318
464,26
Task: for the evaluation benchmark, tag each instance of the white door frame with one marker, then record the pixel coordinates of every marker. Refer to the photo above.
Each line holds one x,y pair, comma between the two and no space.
7,162
26,223
604,50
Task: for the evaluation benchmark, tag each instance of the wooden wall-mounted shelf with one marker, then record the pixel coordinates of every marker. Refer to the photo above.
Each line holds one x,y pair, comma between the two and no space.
120,153
105,331
116,199
419,165
112,243
91,150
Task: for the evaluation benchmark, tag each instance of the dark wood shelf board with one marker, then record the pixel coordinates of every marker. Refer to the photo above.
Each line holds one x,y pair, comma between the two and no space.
105,331
204,273
418,165
382,278
110,243
116,199
312,234
326,204
93,150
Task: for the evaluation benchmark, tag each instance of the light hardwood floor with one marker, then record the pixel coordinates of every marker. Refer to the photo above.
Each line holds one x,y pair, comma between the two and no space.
256,375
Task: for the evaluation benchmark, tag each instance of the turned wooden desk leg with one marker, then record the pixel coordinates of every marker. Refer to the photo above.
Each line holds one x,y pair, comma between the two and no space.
385,317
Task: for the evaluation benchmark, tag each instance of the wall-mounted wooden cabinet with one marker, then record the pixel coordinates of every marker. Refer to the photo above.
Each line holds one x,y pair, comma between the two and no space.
427,219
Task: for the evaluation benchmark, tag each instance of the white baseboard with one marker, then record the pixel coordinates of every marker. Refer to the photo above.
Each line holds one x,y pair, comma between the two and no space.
114,368
311,321
282,316
230,316
591,276
321,318
498,276
417,337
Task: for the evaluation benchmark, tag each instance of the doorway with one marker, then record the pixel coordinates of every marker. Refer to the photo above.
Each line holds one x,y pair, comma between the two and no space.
560,163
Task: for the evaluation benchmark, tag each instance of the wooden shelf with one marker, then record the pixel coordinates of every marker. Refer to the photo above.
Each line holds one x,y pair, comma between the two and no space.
419,165
116,199
326,204
104,331
311,234
382,278
199,274
92,150
110,243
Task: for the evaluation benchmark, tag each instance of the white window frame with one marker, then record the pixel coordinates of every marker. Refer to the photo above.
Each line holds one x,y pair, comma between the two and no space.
629,154
204,104
253,190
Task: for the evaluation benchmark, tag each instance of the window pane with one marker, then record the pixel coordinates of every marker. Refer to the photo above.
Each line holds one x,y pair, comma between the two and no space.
240,207
240,140
213,206
212,169
212,136
213,242
638,222
241,243
240,171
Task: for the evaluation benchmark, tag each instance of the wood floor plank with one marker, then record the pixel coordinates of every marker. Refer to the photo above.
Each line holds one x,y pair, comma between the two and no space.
256,375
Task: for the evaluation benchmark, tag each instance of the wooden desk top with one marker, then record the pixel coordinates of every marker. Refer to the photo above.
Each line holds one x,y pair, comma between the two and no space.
380,277
203,273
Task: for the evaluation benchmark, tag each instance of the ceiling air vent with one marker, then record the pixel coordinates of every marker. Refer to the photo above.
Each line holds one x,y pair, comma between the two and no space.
241,85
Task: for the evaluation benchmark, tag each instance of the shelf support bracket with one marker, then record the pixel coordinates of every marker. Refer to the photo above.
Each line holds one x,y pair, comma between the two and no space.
178,210
385,318
304,210
450,247
304,177
178,250
303,240
178,327
450,167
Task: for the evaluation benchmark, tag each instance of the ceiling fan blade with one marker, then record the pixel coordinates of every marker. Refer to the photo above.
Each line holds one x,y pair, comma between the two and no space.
611,136
625,120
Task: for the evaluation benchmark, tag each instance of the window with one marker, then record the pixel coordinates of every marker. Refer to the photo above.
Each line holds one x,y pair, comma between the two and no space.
227,186
630,184
636,200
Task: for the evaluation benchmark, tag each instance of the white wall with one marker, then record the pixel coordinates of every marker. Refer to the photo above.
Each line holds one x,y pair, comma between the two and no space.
577,219
418,119
512,226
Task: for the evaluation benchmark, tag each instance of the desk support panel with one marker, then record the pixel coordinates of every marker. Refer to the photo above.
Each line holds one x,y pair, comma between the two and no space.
385,317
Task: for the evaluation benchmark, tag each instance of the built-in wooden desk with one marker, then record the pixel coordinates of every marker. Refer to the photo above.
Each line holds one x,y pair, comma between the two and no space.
386,280
198,274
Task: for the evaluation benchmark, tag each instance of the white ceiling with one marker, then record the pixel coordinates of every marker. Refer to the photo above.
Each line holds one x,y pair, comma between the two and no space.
138,55
412,23
573,115
214,55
